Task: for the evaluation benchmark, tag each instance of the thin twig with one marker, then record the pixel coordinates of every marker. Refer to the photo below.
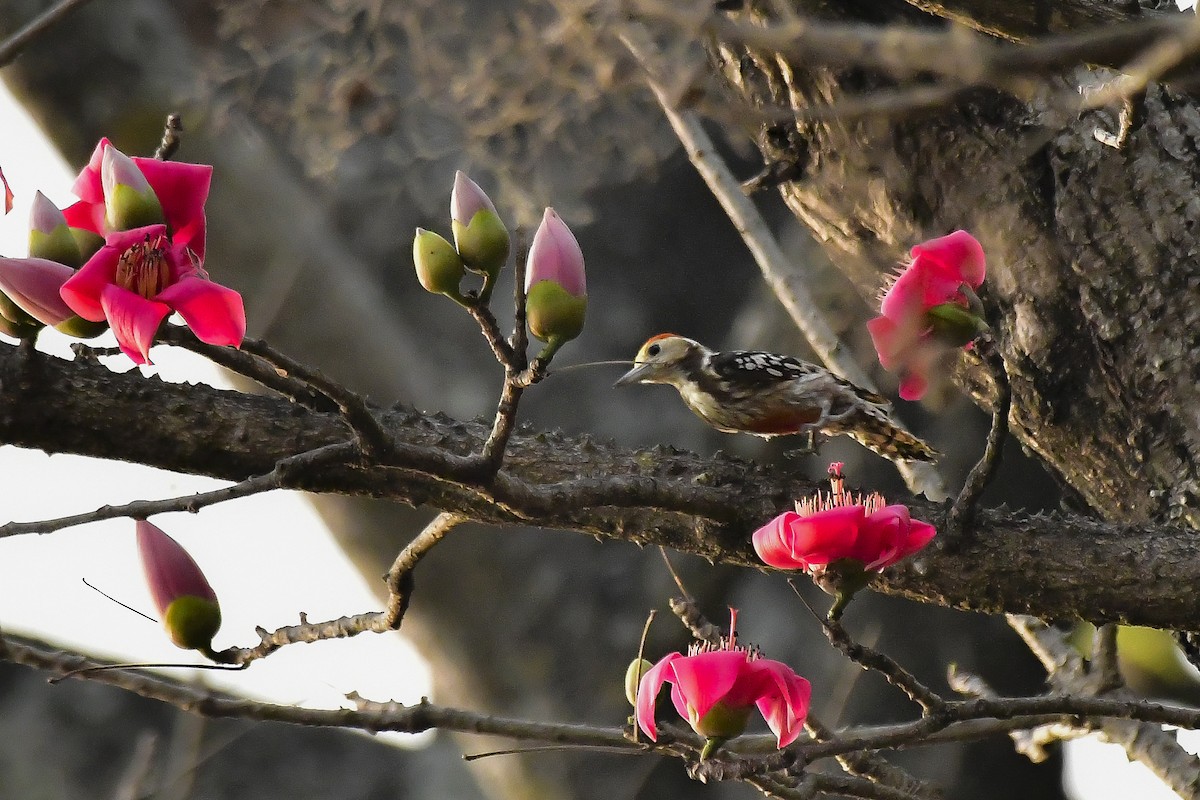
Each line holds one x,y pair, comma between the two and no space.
399,578
785,279
490,328
871,659
11,47
294,380
277,478
373,440
1104,665
961,517
1142,741
249,366
170,138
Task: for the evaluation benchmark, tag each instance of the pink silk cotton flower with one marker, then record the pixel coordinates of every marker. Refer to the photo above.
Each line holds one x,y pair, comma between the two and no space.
714,688
140,276
839,527
930,310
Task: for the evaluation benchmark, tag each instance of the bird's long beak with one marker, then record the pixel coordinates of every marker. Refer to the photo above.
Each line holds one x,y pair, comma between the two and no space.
635,375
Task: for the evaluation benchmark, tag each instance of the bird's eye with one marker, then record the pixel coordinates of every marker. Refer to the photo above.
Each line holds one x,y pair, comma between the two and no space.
653,350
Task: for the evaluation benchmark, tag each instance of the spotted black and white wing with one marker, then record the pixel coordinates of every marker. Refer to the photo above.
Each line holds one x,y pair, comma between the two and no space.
755,368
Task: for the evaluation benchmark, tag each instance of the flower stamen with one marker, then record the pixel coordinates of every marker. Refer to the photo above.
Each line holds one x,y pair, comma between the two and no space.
143,268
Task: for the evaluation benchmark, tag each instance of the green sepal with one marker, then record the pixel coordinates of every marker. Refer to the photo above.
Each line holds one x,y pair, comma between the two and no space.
81,328
723,722
439,267
192,622
483,242
633,676
127,208
57,245
88,242
955,325
15,322
554,313
843,579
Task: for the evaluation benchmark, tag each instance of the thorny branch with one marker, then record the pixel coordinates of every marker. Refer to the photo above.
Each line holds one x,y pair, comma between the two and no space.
959,720
651,497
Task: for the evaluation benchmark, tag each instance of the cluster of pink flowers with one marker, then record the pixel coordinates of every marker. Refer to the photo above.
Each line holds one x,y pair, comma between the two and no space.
137,235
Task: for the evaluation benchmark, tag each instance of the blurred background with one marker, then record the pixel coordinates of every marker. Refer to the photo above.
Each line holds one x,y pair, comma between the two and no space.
335,128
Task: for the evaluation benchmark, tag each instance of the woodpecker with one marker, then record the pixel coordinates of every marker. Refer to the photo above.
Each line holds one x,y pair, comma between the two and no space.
766,394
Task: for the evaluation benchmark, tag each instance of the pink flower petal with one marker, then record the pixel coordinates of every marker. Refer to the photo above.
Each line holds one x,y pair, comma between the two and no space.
959,255
555,256
884,335
919,534
182,190
82,290
8,194
467,199
706,678
881,538
34,285
88,187
784,701
170,572
647,694
771,543
213,312
827,535
134,320
85,215
913,386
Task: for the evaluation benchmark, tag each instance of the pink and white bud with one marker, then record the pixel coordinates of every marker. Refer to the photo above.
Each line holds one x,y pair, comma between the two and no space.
468,199
33,284
555,284
182,595
479,234
49,235
555,256
129,200
8,193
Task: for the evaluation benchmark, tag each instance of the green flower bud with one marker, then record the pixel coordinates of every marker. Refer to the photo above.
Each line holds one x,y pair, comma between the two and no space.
81,328
192,622
439,267
483,242
633,675
723,722
554,314
479,233
88,242
14,322
49,236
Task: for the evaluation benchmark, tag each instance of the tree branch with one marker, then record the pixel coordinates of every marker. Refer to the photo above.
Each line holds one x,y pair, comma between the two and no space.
703,505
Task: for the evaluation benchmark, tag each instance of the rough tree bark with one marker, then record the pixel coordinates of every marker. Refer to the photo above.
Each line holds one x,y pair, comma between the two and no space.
1092,273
